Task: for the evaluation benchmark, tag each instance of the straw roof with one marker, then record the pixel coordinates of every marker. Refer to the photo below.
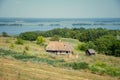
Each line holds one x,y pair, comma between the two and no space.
59,46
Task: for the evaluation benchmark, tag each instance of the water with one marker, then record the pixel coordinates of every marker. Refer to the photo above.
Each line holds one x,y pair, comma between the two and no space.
14,26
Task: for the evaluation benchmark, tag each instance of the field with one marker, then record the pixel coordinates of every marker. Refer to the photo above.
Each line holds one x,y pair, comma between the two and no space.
30,62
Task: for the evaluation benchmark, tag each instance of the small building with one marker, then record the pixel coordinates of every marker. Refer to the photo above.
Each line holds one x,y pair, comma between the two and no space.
58,47
90,52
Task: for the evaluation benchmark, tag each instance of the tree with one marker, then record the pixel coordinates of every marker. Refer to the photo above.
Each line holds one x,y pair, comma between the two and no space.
4,34
115,48
82,47
31,36
104,43
40,40
88,45
91,45
55,38
83,37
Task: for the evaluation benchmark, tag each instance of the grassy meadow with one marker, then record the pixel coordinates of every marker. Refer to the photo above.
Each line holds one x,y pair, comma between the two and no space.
30,61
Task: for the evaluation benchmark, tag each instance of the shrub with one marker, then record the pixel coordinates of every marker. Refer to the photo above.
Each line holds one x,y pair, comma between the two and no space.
31,36
102,68
55,38
24,57
77,66
25,52
105,44
82,47
98,67
85,46
113,71
19,41
4,34
40,40
27,48
117,53
11,46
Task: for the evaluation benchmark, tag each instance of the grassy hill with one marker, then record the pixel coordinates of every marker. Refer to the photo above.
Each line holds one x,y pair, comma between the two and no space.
32,63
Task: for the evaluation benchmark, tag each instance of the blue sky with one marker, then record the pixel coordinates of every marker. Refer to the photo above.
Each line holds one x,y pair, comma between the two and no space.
60,8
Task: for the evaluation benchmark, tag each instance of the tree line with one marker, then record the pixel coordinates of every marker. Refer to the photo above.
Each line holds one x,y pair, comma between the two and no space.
102,40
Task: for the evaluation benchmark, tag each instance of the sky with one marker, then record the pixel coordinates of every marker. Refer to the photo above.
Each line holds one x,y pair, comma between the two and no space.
60,8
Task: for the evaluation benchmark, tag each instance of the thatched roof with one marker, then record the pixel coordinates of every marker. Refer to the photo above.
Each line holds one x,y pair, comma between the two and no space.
59,46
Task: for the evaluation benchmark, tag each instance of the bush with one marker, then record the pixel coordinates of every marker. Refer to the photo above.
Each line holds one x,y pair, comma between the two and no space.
108,45
31,36
11,46
77,66
117,53
19,41
4,34
85,46
102,68
24,57
82,47
40,40
113,71
98,67
55,38
27,48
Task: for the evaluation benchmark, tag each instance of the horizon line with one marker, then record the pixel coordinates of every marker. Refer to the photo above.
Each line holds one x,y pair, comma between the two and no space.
64,17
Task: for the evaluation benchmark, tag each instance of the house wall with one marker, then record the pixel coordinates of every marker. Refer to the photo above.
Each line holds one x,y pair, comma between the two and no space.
58,52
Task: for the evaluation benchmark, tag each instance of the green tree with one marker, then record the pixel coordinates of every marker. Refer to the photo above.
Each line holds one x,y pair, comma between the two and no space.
104,43
55,38
82,47
91,45
88,45
31,36
4,34
40,40
115,48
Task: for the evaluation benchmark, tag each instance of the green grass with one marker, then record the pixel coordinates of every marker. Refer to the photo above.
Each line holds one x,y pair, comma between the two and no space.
77,65
101,66
25,57
18,70
97,67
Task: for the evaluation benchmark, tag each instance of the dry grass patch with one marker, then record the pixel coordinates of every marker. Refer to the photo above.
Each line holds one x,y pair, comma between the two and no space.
17,70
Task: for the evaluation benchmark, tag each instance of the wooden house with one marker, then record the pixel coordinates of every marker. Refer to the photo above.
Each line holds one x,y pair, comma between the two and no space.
58,47
90,52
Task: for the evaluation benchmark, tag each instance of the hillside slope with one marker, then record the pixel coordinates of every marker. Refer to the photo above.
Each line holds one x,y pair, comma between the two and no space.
36,64
18,70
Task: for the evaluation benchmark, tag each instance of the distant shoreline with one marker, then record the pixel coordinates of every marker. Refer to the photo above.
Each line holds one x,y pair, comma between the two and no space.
17,25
